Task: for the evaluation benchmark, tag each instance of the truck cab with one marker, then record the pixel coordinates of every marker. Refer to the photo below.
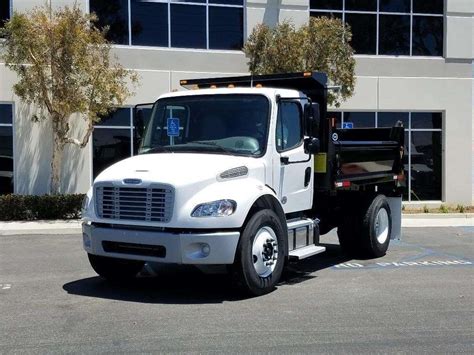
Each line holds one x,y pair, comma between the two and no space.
243,172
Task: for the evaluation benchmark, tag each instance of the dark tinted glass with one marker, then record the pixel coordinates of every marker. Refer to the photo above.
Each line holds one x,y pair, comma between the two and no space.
112,13
188,26
195,1
327,14
4,11
337,116
6,113
149,23
395,5
389,119
428,6
426,166
120,117
360,119
227,2
426,120
6,160
361,5
394,35
326,4
226,28
427,36
364,32
109,147
289,129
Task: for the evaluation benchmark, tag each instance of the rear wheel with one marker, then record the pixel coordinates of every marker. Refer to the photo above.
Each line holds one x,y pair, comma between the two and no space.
366,231
115,269
376,228
260,256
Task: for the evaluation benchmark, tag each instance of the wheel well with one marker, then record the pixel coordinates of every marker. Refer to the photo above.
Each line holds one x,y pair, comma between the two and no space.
269,202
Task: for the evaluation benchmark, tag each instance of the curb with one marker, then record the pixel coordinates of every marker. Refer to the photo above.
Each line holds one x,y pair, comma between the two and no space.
41,227
74,226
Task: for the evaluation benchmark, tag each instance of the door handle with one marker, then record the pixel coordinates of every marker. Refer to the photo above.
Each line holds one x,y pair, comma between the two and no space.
307,176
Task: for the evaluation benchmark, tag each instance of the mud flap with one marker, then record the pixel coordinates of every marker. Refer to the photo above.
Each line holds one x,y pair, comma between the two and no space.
395,204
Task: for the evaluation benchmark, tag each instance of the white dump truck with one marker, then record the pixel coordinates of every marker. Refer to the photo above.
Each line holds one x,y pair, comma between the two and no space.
246,172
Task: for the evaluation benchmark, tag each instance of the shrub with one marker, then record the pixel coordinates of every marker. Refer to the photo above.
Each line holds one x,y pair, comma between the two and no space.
426,209
29,207
461,208
443,209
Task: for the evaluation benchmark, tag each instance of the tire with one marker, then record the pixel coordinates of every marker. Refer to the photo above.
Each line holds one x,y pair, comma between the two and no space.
262,242
114,269
376,228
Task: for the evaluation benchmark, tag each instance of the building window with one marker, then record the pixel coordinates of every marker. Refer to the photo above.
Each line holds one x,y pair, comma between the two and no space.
4,11
389,27
423,146
204,24
112,140
6,149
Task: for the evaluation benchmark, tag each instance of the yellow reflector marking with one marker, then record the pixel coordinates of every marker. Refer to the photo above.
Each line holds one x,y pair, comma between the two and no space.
320,163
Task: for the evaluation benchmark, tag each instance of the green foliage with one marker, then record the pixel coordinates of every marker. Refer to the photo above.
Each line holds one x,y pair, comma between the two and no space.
64,71
443,209
460,208
426,209
28,207
321,45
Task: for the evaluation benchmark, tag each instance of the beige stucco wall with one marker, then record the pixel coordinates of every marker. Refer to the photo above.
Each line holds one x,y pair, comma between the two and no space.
383,83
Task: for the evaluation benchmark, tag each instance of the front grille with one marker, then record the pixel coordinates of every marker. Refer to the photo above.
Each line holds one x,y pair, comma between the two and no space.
153,204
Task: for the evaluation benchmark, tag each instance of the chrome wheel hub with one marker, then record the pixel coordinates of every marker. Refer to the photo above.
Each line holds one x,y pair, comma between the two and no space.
381,225
265,251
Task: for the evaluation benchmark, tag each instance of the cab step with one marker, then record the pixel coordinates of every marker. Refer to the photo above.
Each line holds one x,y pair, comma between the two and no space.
306,252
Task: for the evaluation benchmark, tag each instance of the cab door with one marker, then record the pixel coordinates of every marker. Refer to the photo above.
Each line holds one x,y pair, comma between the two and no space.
294,176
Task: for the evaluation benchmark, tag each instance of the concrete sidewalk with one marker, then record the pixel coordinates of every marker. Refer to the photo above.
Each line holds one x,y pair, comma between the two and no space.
74,226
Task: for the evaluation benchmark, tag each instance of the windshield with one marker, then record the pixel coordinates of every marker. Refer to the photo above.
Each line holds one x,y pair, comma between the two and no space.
226,124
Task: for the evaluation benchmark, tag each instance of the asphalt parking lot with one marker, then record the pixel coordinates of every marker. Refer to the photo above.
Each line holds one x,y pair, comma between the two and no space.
418,298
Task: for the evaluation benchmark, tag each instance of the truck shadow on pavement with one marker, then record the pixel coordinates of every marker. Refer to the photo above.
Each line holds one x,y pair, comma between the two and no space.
188,285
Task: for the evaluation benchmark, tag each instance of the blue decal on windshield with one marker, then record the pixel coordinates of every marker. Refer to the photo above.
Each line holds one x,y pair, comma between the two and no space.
348,125
173,127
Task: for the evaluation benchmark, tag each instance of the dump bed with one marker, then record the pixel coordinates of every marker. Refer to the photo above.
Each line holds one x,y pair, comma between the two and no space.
362,156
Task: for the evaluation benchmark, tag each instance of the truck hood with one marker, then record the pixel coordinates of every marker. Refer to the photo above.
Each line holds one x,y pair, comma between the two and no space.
179,169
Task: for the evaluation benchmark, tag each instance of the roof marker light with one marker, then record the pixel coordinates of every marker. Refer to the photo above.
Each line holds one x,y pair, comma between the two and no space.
231,86
213,87
259,86
306,74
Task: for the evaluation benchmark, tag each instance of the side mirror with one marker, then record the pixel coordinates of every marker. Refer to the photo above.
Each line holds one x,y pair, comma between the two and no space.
311,119
311,145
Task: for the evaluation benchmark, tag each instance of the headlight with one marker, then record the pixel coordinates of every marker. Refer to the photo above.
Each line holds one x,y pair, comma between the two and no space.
215,209
85,204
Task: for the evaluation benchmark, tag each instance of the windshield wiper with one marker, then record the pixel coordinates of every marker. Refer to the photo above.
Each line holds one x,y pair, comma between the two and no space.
156,149
212,144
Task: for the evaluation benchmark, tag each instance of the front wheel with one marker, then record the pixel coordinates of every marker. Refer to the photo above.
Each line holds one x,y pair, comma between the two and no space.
114,269
261,253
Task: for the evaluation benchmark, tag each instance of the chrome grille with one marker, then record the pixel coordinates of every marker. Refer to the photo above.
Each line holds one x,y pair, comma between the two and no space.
153,204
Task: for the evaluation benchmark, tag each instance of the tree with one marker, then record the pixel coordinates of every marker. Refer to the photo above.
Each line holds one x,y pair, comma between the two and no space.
66,72
321,45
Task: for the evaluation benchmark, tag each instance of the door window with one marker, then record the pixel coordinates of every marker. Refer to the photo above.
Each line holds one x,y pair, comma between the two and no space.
289,132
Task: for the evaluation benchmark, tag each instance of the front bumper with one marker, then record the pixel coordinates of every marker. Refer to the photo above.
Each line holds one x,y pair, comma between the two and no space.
178,248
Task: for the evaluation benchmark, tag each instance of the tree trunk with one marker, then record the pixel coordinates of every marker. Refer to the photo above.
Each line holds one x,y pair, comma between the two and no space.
58,149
